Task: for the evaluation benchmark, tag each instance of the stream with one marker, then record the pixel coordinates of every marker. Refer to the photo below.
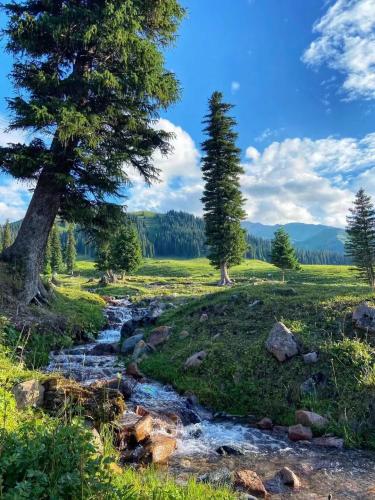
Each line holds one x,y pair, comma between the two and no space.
323,471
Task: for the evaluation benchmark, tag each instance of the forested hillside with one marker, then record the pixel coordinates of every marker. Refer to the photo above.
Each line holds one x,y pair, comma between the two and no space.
179,234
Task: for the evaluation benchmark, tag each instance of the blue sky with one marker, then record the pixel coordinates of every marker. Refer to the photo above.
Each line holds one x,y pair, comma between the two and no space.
302,77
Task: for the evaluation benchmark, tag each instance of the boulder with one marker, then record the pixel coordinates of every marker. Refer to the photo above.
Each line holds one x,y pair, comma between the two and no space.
329,442
204,317
289,478
160,448
299,433
102,349
251,482
310,358
127,329
265,424
364,317
159,336
143,428
311,419
133,371
281,343
28,393
195,360
142,350
129,344
226,450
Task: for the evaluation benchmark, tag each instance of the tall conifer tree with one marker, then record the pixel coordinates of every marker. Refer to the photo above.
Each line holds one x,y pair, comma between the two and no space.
283,254
56,251
91,75
7,236
222,198
360,242
71,252
47,268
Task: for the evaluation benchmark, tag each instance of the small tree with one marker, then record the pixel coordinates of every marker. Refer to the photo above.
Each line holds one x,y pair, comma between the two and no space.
71,252
222,197
7,236
360,242
283,254
126,250
56,252
47,268
121,253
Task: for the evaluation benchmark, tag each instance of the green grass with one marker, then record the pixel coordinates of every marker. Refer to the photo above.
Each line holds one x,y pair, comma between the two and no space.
239,376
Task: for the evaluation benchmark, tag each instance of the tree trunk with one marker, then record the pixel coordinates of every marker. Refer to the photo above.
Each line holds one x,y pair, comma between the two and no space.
224,280
26,255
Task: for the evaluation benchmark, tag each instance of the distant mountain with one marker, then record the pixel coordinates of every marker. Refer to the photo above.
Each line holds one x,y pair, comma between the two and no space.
304,236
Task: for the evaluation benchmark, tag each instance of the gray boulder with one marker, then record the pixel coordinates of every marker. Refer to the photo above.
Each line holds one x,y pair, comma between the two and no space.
28,393
310,358
281,343
195,360
129,344
364,317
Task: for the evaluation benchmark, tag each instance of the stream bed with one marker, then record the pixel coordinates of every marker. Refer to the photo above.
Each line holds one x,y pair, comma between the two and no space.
342,474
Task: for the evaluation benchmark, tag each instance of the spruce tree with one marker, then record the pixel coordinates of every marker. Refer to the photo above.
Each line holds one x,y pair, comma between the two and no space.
7,236
222,198
56,251
360,242
283,254
91,76
71,252
125,250
47,268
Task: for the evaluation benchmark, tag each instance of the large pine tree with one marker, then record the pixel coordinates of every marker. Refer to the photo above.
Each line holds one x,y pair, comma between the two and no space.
283,254
360,242
222,196
91,77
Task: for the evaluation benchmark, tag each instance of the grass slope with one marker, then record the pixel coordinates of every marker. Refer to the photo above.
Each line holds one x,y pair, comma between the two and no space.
238,375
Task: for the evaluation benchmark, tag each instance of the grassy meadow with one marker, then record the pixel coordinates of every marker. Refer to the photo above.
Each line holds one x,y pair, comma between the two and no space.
238,375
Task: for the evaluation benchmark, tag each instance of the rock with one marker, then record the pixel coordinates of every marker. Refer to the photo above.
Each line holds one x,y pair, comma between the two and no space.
184,334
310,358
160,448
289,478
142,350
139,410
364,317
204,317
98,402
105,348
228,450
28,393
127,329
126,388
159,336
143,428
97,441
329,442
195,360
133,371
311,419
129,344
217,477
299,433
265,424
251,482
281,343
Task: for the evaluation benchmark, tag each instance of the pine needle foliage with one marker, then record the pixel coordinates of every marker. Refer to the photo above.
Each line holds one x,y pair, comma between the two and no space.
283,254
222,198
360,242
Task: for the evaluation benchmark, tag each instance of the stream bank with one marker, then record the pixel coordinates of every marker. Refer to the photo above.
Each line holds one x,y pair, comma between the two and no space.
201,438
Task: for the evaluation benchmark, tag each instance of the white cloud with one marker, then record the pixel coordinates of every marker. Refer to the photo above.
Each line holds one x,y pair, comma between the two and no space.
307,181
235,87
14,198
346,42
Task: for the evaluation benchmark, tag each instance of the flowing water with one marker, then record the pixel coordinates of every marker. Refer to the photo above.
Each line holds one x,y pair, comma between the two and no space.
345,474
